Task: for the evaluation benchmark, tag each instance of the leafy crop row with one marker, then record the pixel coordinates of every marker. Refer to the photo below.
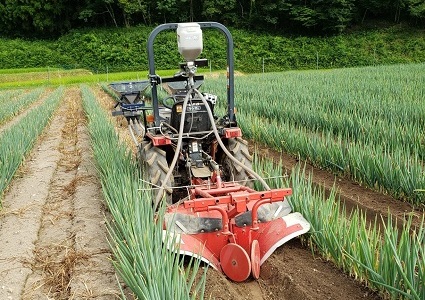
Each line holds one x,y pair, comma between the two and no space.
386,259
365,123
6,95
141,259
17,141
11,104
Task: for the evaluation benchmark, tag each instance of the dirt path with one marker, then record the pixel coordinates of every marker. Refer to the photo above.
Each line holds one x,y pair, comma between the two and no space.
52,228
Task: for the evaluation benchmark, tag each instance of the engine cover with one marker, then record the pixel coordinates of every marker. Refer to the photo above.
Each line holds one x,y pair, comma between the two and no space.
196,117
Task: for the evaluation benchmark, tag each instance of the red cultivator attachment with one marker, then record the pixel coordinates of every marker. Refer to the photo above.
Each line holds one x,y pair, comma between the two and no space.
232,227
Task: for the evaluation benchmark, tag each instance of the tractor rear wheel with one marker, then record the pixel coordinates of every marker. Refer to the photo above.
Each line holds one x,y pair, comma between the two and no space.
238,147
155,167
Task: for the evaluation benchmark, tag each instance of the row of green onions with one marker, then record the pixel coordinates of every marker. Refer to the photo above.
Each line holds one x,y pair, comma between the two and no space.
364,123
369,164
18,140
140,257
389,260
6,95
11,104
367,104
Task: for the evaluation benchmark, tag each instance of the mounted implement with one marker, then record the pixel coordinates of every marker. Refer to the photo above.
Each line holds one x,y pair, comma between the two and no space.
199,163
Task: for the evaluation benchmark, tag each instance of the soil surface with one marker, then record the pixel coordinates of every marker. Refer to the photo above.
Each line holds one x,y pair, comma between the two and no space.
54,239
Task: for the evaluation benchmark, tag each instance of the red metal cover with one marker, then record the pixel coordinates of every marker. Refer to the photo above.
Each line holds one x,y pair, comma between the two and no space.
232,132
159,140
232,227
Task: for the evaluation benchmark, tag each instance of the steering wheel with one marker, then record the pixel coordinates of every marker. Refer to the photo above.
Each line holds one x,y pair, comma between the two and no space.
169,102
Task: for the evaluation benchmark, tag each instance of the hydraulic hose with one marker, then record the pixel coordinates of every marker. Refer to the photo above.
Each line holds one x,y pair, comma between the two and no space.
130,128
177,151
133,127
223,147
217,136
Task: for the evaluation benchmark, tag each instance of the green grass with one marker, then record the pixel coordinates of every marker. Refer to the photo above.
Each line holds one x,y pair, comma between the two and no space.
46,74
27,70
60,77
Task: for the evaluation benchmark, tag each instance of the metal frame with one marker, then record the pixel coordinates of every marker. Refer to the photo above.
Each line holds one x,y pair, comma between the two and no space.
154,79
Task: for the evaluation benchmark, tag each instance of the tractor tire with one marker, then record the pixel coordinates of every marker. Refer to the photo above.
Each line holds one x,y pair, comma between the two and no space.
154,167
238,147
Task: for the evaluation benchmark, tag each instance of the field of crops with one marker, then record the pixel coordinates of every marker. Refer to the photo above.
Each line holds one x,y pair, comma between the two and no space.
366,123
365,126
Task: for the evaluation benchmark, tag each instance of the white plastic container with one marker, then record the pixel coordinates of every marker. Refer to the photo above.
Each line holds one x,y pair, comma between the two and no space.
189,40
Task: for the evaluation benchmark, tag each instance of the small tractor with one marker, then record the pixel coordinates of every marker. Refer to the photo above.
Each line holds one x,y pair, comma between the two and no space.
199,164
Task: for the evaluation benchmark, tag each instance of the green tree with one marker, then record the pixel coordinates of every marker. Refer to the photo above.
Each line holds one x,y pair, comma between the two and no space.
416,9
317,15
132,9
40,17
94,12
392,10
223,10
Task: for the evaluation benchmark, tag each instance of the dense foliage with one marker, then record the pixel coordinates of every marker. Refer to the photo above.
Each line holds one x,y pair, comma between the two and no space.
110,50
46,17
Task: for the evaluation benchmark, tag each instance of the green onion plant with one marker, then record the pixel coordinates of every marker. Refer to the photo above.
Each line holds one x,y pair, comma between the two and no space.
13,102
17,141
364,123
136,233
386,258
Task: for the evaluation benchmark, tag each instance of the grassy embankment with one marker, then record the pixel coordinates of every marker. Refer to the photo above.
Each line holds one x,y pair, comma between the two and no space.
124,49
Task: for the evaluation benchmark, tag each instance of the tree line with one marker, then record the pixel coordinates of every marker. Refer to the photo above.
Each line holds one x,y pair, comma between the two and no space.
44,18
